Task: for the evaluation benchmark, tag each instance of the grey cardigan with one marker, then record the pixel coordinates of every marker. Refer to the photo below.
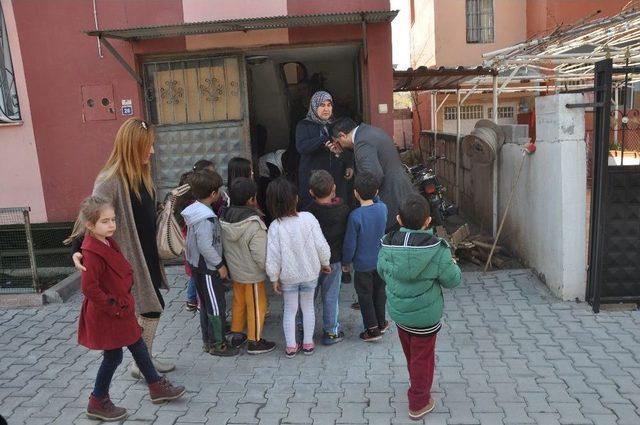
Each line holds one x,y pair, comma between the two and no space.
126,236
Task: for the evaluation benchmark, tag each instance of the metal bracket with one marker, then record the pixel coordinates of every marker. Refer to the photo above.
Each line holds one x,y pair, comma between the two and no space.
120,59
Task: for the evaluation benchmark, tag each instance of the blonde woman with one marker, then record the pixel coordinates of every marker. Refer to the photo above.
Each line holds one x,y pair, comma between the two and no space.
125,181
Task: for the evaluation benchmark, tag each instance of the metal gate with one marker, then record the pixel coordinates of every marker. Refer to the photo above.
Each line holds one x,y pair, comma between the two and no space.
199,107
614,271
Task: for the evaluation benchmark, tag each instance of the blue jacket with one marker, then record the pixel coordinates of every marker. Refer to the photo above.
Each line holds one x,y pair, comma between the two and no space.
362,240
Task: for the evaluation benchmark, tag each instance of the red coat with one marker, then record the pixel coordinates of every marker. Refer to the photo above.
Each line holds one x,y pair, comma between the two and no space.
107,320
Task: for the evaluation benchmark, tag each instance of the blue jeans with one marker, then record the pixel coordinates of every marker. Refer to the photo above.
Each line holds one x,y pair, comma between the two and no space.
191,290
112,358
329,288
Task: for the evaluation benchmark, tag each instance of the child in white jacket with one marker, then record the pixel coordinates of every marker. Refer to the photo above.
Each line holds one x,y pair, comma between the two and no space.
296,253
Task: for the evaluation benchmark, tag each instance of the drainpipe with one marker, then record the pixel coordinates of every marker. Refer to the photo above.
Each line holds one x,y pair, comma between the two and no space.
495,162
458,148
95,20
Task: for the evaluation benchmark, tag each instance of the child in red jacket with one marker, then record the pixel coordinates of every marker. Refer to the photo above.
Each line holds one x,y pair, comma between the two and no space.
107,319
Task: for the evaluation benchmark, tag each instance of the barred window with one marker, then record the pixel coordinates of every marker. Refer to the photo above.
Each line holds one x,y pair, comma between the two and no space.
471,112
503,112
450,113
479,21
9,108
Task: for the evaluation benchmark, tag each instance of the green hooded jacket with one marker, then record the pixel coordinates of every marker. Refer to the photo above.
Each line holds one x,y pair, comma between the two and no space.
415,266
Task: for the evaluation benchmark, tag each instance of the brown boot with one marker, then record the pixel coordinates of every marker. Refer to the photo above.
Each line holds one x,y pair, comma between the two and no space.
163,390
104,409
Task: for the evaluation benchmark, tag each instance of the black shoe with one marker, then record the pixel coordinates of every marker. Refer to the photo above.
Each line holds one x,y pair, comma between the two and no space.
191,305
224,350
238,340
384,327
371,335
260,347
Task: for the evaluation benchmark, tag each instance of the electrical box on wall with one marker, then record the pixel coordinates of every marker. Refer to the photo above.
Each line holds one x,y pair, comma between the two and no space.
97,102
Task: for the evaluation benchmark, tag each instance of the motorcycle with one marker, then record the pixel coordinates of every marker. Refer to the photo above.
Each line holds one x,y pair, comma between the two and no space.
428,185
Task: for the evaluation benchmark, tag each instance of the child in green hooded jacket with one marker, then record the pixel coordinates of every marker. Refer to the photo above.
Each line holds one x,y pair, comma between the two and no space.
416,265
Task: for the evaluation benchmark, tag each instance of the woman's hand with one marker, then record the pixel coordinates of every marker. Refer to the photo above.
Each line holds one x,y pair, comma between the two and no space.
276,287
326,269
77,262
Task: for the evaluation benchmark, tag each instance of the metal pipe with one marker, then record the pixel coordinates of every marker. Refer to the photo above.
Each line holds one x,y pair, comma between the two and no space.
95,20
458,159
435,128
495,162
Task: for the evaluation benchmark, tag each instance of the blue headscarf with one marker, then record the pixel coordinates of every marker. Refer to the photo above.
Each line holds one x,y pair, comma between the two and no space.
316,100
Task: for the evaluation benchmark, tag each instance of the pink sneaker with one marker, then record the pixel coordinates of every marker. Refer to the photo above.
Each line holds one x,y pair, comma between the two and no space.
308,349
290,352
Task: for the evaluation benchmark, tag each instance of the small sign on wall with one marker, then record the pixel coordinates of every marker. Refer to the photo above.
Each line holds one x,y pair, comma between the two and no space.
127,107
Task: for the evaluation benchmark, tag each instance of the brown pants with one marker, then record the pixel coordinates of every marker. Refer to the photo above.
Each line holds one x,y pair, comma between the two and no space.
248,309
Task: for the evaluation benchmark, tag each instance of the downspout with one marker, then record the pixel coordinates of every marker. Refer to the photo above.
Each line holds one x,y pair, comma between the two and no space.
95,20
495,162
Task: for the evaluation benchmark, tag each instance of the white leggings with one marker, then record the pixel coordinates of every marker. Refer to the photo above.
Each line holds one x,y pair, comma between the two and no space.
304,293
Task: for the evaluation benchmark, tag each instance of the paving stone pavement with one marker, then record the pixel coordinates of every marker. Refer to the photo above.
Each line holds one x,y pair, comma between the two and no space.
509,353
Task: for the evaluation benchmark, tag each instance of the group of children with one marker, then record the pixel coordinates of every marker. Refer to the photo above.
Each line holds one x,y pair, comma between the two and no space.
303,254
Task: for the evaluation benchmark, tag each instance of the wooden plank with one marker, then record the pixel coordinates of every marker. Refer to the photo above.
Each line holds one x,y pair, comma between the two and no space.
218,88
192,95
178,96
205,87
233,89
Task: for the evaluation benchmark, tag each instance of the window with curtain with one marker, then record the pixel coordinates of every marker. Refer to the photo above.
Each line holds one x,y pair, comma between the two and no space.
479,21
9,108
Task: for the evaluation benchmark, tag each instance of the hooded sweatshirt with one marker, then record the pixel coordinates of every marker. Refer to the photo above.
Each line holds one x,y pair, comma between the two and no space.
244,238
415,266
203,244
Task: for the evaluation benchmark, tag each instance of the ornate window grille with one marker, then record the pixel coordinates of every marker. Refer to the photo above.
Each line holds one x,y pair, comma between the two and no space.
479,21
9,107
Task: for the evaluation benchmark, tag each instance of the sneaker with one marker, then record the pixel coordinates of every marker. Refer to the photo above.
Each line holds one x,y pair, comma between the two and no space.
191,305
290,352
330,339
224,350
418,414
104,409
355,306
163,390
260,347
371,335
384,327
238,340
308,349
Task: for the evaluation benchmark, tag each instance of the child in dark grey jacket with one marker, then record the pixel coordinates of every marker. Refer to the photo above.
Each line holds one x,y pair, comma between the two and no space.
204,256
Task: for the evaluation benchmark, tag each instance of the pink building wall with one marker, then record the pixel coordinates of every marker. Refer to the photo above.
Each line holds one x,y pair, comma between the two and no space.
71,149
20,170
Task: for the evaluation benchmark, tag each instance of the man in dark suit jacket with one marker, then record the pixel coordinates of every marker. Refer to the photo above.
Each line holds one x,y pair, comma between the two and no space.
376,154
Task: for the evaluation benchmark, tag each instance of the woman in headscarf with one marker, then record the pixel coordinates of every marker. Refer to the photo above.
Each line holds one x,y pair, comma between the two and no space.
312,143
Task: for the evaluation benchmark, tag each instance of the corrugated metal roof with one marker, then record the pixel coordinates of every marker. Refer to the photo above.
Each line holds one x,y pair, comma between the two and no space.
248,24
440,78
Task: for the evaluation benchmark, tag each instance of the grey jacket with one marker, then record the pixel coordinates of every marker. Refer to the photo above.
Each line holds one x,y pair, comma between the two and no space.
203,244
376,153
244,238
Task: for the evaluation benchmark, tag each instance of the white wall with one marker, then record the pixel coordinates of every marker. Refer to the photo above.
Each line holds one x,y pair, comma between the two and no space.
546,224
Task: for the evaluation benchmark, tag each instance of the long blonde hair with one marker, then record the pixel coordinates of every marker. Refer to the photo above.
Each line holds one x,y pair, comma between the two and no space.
90,210
133,142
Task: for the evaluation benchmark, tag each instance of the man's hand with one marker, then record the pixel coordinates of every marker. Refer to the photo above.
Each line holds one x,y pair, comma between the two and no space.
348,173
77,262
326,269
276,287
224,273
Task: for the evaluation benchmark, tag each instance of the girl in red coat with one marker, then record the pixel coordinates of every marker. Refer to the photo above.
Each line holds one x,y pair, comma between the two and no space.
107,321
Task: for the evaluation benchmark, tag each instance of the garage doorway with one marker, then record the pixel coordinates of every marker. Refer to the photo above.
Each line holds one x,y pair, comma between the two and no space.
280,85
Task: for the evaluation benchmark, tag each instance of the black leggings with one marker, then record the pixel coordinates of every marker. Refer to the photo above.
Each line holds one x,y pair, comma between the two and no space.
112,358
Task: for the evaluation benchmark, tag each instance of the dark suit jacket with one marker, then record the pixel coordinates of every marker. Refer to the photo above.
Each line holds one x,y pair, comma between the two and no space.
376,153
